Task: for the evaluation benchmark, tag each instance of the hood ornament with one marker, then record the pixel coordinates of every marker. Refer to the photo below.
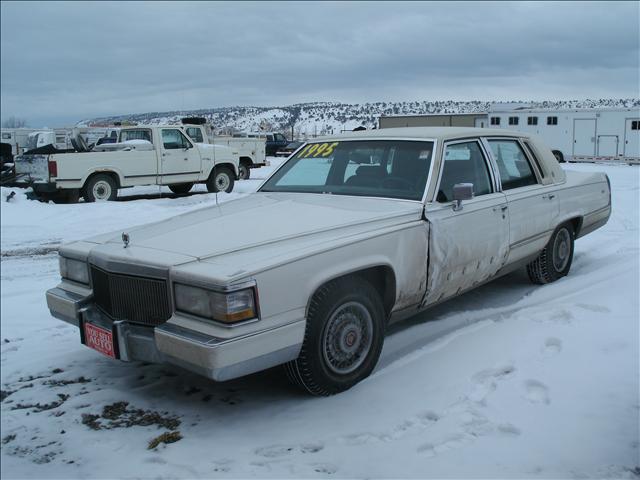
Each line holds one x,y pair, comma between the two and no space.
125,239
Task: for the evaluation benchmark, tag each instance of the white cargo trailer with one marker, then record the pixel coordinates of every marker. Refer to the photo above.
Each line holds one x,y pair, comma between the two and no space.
577,134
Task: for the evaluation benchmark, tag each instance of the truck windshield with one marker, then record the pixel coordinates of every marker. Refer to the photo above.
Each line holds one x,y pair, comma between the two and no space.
373,168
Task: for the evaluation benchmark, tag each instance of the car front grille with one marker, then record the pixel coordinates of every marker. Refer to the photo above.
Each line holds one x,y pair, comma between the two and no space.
127,297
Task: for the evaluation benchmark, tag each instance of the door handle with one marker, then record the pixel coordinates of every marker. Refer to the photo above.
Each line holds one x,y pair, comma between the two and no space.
551,196
185,159
164,154
502,208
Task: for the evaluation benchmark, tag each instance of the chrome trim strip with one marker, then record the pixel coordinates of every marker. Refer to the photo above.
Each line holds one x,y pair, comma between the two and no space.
530,239
209,340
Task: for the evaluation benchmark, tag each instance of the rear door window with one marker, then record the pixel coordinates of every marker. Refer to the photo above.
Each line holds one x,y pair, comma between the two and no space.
515,170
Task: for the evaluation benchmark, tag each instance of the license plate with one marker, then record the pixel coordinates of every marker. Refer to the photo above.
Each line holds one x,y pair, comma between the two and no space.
99,339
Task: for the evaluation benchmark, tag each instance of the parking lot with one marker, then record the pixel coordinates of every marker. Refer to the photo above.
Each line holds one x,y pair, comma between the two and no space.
494,383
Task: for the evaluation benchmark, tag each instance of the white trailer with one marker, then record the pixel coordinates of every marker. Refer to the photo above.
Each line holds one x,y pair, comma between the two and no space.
577,134
15,141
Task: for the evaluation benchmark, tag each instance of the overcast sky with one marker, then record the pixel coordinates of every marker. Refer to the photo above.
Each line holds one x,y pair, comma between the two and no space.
62,62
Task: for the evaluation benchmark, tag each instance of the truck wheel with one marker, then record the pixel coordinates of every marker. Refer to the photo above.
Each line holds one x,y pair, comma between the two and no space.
555,260
343,337
181,187
244,172
220,180
100,188
559,156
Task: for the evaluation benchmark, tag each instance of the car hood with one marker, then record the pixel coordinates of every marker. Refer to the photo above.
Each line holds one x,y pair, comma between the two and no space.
260,222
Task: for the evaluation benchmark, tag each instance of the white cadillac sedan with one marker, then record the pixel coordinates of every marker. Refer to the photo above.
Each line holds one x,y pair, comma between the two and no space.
350,233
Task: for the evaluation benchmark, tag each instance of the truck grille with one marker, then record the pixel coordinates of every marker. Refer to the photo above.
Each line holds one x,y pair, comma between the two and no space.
126,297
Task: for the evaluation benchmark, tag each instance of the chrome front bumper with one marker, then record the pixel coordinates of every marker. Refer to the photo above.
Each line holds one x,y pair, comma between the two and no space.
216,358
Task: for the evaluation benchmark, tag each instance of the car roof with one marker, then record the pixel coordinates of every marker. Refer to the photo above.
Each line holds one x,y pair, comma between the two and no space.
438,133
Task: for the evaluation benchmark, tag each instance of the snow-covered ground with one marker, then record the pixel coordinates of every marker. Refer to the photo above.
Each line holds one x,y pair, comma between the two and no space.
511,380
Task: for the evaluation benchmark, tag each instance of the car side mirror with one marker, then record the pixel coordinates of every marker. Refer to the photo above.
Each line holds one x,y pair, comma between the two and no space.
461,191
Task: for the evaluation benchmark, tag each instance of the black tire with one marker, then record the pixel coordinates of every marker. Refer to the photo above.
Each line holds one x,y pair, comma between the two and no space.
559,156
221,179
100,188
555,260
181,187
244,171
343,314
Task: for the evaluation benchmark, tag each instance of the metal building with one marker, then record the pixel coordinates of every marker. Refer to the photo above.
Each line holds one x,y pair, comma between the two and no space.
432,120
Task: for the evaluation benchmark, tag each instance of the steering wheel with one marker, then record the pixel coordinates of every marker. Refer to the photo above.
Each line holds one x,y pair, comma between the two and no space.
397,183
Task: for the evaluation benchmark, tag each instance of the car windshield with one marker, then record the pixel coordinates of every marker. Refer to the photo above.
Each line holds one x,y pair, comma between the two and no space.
373,168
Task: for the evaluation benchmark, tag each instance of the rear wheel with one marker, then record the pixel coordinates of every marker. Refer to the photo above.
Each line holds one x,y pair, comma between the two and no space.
244,172
181,187
100,188
221,180
343,337
555,260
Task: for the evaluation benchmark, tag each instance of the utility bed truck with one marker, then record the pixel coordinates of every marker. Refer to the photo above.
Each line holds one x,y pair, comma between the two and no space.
251,151
159,155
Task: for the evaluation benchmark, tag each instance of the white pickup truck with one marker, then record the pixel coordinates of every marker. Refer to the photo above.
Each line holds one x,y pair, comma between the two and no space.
159,155
251,151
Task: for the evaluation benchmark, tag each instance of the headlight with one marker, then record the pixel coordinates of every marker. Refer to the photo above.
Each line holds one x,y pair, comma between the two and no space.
225,307
75,270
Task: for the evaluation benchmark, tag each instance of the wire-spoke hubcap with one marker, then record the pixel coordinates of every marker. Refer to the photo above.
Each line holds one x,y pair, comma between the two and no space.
347,338
101,191
222,182
561,250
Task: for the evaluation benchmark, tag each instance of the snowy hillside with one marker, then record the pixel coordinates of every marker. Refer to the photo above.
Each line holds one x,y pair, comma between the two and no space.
311,119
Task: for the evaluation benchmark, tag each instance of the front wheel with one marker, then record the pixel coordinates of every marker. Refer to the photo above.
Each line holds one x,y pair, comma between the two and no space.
555,260
220,180
343,337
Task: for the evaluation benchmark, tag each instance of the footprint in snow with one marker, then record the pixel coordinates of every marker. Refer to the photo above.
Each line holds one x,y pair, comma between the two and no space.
594,308
275,451
536,392
552,346
326,468
486,381
414,425
451,442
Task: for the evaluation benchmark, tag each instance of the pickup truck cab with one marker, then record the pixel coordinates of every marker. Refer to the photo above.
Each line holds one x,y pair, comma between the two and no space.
158,155
349,234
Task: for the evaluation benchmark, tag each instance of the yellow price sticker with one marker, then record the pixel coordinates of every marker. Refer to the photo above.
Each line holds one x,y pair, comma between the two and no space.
316,150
